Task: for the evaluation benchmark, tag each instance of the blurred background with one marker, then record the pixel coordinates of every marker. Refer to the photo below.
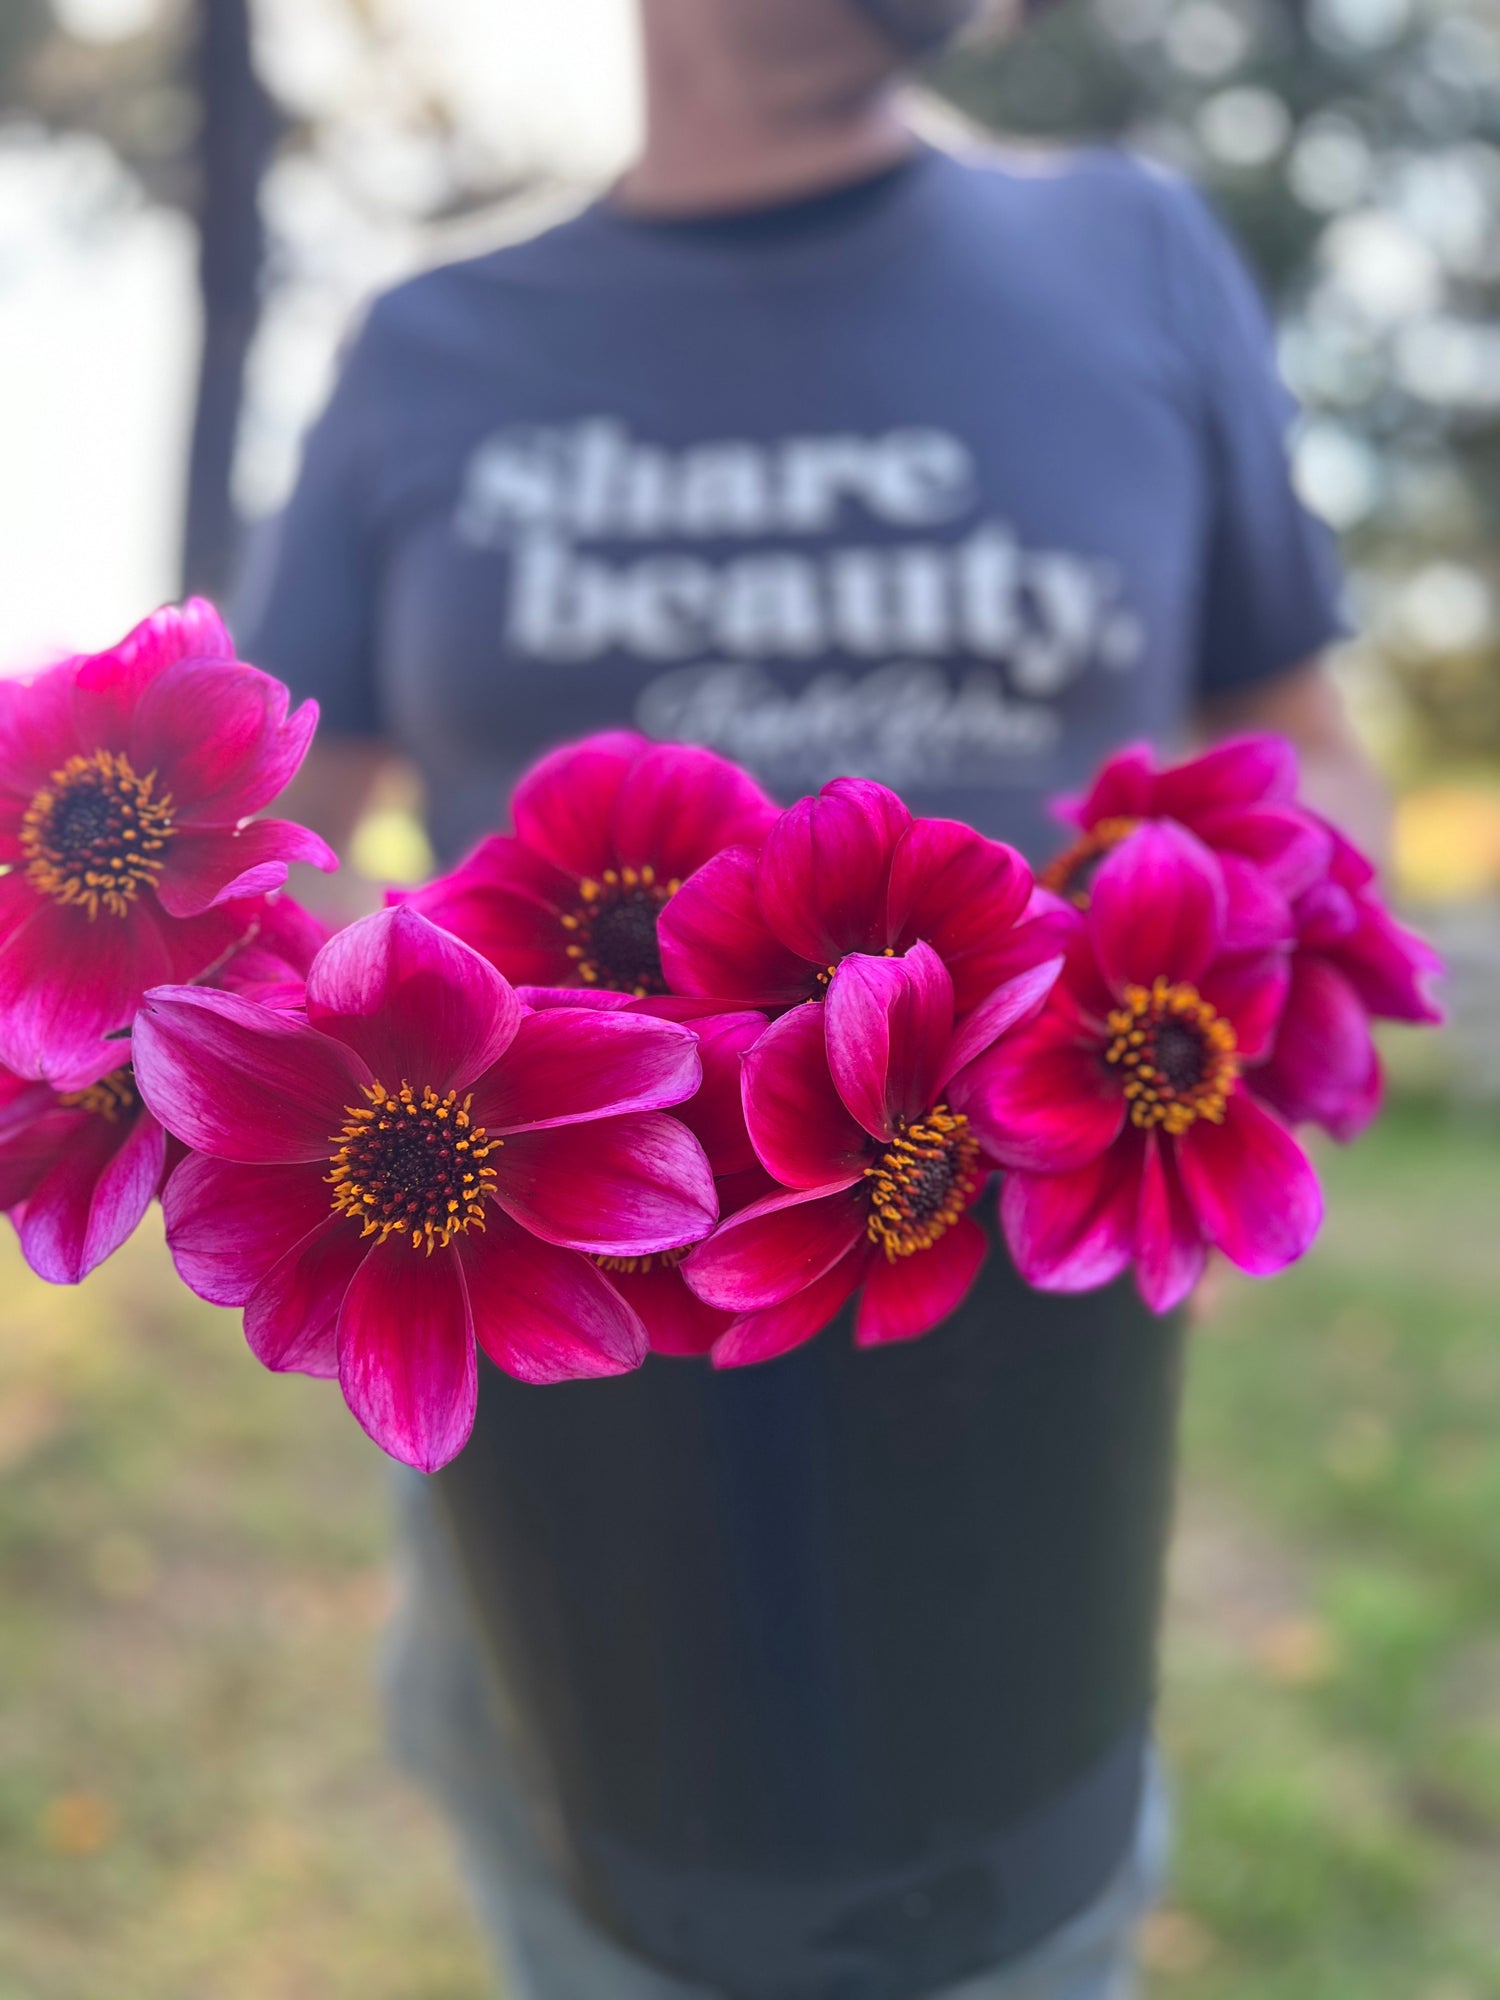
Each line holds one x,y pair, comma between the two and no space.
194,199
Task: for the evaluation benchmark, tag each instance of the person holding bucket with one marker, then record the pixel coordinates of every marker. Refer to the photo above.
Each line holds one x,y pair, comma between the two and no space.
811,443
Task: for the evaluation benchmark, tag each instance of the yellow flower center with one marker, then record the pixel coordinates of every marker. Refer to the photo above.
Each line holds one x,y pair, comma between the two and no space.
613,930
1176,1054
412,1163
659,1260
922,1183
110,1098
95,833
1071,873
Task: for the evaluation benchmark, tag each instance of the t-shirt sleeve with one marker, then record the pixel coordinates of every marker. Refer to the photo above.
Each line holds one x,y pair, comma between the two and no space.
1272,590
305,607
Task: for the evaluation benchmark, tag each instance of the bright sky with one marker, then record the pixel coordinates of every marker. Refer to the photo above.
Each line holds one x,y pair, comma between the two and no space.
98,325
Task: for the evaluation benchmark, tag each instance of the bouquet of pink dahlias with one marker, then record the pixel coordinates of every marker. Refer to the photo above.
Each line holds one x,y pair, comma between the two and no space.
665,1069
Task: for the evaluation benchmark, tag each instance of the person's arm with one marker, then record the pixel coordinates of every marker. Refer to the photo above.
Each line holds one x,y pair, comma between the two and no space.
306,612
1305,705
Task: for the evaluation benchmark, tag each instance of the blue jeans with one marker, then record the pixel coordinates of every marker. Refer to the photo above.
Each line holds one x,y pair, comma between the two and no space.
450,1733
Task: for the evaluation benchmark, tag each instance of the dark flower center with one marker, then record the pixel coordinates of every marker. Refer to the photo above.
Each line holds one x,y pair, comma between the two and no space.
1176,1054
922,1183
612,930
413,1163
94,834
110,1098
1071,873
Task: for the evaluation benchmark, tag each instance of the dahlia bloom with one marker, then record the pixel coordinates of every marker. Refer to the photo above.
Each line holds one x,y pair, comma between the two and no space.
79,1168
1353,962
1124,1114
607,831
1240,799
851,871
417,1164
127,782
860,1109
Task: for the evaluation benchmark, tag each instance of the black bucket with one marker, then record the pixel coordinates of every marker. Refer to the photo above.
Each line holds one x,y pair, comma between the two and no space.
834,1674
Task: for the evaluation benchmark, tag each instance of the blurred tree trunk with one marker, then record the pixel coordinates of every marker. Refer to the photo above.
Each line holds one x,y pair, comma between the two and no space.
237,131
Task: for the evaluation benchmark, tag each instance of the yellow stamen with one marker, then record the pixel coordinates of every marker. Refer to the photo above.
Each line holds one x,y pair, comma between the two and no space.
922,1183
413,1163
1177,1054
94,835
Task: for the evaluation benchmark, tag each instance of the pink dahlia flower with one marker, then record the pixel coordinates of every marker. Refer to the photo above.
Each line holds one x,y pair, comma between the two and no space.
127,784
1353,962
860,1109
1240,799
852,871
418,1163
78,1170
1124,1113
607,831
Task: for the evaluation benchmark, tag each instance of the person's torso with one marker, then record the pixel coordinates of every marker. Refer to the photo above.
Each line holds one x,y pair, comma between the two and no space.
922,497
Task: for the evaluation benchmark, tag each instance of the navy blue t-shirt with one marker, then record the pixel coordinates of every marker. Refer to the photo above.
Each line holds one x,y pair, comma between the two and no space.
956,479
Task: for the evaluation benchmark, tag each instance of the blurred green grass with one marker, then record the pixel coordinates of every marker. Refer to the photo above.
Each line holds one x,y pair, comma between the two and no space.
193,1800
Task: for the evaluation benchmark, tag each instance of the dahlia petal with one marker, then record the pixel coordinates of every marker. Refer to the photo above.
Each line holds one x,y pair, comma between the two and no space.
507,903
229,1225
218,737
1170,1253
406,1354
776,1330
798,1124
1251,1187
1250,990
715,941
1286,844
241,1081
676,1322
208,868
958,892
1124,789
1156,907
716,1115
1045,1100
905,1297
38,733
1072,1232
546,1314
291,1317
415,1002
1010,1006
109,686
1360,1106
564,806
570,1064
67,983
1325,915
36,1131
1388,965
94,1197
679,805
1257,916
889,1026
766,1252
199,949
1241,771
1323,1056
618,1187
825,866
